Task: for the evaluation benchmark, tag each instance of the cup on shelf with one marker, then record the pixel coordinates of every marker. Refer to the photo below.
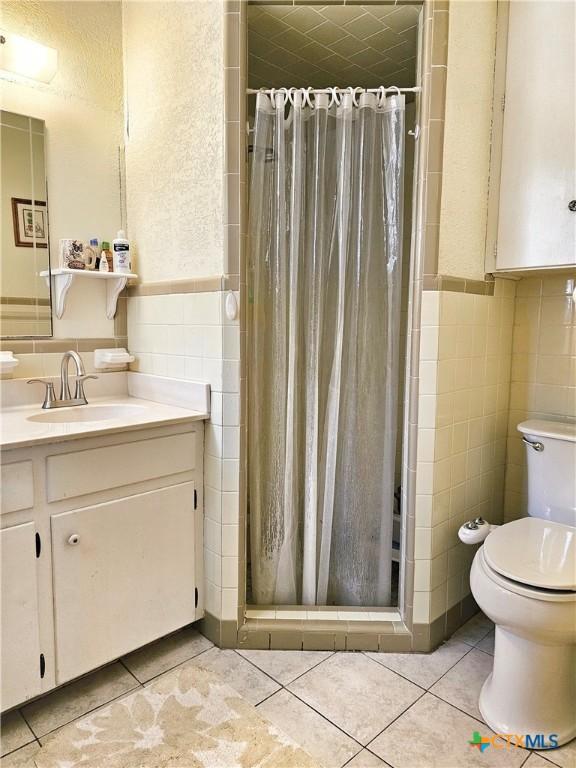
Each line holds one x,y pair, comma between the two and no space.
71,254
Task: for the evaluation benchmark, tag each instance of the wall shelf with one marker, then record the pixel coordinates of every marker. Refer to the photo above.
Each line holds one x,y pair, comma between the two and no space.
63,279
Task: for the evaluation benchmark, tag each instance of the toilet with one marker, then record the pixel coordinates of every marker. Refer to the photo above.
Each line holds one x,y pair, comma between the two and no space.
524,579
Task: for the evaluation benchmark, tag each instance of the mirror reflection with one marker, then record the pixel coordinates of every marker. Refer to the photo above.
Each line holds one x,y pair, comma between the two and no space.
24,295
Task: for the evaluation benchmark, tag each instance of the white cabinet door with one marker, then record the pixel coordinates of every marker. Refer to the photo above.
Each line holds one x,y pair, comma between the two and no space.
536,229
123,576
20,636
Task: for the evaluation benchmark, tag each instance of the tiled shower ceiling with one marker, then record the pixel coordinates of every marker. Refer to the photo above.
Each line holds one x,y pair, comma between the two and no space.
342,45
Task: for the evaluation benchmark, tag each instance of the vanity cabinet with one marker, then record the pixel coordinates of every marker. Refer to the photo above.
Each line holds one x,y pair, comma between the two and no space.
101,545
123,574
21,673
536,93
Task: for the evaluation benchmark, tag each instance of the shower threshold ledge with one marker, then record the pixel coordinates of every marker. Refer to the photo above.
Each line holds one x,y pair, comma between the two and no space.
297,628
322,613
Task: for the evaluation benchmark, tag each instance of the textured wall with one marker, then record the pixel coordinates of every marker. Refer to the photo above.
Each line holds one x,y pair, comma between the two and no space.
174,153
467,136
82,108
543,382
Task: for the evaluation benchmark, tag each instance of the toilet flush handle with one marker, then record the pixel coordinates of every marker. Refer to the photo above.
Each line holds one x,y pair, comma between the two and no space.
534,444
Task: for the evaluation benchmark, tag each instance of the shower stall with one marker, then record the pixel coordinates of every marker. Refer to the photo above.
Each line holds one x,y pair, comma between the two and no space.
330,187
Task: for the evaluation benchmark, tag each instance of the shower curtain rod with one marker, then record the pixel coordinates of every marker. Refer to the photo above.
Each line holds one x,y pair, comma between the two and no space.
269,91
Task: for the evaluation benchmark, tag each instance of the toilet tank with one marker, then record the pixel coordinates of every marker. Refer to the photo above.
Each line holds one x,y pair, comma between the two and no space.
551,454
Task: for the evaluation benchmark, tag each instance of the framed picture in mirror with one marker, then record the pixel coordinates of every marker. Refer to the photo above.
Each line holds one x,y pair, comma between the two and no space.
30,223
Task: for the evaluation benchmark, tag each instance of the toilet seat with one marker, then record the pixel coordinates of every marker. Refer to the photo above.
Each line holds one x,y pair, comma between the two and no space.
537,553
525,590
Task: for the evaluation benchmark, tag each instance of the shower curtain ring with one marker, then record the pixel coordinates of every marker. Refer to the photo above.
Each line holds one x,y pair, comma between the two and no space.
352,93
307,94
381,96
333,97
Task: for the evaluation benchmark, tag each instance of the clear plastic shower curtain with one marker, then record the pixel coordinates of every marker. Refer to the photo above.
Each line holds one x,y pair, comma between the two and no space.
325,248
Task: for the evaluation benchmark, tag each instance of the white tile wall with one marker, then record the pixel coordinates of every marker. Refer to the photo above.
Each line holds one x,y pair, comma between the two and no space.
188,336
543,380
465,355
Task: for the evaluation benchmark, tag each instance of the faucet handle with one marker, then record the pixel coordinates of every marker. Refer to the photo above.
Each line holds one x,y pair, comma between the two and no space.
49,396
79,393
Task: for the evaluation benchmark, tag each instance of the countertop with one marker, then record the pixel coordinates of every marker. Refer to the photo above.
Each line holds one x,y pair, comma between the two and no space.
18,431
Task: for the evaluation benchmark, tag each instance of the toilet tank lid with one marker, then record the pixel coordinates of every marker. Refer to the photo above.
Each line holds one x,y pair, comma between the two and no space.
559,430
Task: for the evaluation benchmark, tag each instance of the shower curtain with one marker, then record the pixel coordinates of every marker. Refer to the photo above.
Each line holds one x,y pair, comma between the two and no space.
325,246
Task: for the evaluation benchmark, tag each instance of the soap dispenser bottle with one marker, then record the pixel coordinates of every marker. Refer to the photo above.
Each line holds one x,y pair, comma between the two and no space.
121,252
105,258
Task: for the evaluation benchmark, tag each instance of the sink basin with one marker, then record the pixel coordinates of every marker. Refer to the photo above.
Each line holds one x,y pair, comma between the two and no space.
87,413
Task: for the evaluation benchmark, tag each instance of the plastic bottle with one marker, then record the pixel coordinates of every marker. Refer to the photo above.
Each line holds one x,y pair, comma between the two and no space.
105,258
92,254
121,252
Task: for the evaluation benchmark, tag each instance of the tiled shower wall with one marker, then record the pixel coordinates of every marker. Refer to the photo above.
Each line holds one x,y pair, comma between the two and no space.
543,370
465,354
188,336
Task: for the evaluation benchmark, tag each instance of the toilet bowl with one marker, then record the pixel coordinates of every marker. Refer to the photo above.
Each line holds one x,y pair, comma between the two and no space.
532,687
524,579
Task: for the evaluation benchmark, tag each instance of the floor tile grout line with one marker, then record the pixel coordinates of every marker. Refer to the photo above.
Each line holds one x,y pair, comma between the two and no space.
425,691
486,653
122,662
393,721
455,636
266,698
30,727
21,746
45,696
548,760
266,674
378,756
471,648
171,669
384,763
422,687
324,717
463,711
23,716
123,695
399,674
332,653
283,685
443,675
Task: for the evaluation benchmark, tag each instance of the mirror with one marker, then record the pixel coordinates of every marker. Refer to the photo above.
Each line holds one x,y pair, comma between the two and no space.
24,296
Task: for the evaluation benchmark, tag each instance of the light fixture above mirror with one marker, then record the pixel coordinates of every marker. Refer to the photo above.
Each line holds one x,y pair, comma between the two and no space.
27,58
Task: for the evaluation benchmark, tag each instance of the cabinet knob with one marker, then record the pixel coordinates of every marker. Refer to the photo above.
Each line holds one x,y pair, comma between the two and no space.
74,539
572,206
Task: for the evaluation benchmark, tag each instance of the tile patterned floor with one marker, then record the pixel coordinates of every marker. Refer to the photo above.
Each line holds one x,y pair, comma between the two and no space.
360,710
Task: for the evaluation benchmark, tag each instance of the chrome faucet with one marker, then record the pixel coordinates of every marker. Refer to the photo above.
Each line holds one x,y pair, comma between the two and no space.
66,398
66,357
